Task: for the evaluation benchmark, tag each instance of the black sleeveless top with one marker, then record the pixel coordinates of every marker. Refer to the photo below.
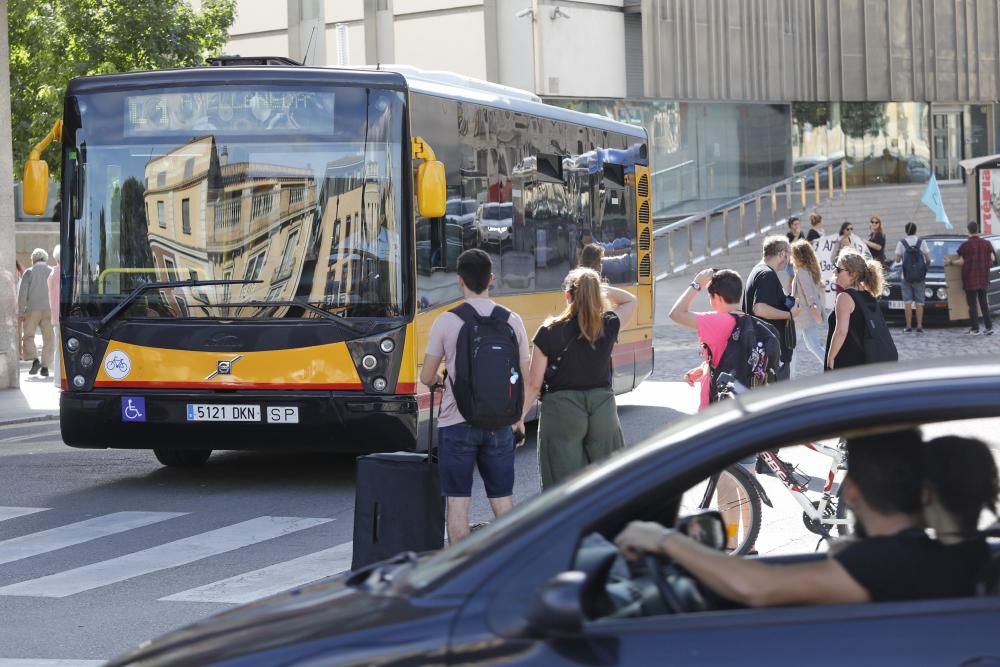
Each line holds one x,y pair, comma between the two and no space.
851,353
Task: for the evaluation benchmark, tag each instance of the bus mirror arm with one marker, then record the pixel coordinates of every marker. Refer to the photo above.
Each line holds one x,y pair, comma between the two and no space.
36,174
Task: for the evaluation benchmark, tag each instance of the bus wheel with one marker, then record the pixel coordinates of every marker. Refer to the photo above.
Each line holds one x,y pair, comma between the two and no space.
182,458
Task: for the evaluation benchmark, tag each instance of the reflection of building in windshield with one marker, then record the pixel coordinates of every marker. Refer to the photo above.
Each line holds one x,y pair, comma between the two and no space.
210,220
351,247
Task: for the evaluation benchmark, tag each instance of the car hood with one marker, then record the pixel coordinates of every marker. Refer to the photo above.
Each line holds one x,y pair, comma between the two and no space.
328,617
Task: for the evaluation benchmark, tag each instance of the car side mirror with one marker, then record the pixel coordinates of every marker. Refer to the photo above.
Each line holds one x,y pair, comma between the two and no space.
706,527
558,609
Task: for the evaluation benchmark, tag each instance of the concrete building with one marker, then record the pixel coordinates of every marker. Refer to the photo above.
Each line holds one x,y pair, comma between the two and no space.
735,94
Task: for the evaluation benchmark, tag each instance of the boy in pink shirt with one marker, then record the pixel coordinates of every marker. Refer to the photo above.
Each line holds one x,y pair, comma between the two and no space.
725,292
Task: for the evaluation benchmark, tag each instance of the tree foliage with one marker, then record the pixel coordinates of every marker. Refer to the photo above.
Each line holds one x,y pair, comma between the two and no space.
53,41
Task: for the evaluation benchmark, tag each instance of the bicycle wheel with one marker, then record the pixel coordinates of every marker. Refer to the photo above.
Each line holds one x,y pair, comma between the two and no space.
733,494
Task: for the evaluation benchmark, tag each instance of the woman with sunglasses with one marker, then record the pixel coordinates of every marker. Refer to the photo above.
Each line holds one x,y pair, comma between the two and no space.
858,281
876,240
844,242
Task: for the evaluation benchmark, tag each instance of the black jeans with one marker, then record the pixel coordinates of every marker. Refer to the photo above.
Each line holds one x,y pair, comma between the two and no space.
971,296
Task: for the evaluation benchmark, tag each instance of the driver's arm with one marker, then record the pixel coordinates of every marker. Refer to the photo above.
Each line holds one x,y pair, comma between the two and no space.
747,582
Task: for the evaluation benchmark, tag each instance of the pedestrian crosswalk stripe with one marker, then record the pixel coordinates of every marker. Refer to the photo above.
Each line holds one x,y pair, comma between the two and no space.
164,556
271,580
77,533
29,436
48,662
14,512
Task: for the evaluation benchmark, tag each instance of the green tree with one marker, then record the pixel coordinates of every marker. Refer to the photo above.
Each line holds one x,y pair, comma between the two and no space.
52,41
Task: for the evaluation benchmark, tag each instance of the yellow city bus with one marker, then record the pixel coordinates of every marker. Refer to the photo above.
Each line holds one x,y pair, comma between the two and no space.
253,252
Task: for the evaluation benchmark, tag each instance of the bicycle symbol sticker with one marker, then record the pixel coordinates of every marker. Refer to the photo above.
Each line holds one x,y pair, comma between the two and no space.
133,409
117,365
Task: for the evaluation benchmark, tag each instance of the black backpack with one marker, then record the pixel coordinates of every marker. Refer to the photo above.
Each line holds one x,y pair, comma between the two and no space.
752,357
488,387
877,342
914,262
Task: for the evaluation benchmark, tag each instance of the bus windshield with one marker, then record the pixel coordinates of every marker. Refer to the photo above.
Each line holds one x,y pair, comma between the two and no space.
294,192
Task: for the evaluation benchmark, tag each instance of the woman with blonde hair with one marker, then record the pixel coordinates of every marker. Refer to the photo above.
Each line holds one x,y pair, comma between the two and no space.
859,282
807,288
571,360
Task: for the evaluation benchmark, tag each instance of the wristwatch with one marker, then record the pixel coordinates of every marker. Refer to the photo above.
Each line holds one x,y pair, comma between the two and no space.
695,286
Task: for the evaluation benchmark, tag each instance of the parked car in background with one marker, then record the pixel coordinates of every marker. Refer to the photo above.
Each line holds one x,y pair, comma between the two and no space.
544,585
936,292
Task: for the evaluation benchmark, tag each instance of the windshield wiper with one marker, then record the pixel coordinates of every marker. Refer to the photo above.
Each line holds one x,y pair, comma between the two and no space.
165,284
337,319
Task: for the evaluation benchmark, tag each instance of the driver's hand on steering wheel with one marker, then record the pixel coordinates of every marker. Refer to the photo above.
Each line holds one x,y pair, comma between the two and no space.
641,538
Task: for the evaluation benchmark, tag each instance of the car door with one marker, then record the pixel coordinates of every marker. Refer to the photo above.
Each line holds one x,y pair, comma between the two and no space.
945,632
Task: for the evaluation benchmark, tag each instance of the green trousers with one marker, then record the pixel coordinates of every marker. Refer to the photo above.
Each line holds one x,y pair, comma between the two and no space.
576,428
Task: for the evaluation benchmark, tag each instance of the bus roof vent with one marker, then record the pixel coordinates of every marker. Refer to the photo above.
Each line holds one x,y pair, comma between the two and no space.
230,61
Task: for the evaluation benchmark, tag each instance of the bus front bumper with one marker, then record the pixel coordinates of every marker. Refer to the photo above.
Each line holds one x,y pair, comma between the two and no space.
290,420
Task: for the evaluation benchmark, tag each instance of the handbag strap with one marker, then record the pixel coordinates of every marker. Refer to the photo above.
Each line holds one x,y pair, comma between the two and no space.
549,378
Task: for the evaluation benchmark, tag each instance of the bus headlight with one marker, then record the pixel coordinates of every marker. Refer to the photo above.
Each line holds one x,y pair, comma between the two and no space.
379,384
72,344
387,345
929,293
79,381
86,360
942,293
368,362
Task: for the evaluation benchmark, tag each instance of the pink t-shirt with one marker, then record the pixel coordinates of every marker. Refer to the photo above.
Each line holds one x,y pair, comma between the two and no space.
713,330
442,341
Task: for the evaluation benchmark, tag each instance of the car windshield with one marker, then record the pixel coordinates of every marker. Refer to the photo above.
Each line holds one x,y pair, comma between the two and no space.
294,190
940,248
438,566
502,212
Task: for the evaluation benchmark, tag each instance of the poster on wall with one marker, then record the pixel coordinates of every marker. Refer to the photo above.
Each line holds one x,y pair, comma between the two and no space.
989,198
826,246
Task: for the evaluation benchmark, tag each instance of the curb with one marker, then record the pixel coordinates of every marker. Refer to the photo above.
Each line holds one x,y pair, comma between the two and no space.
29,420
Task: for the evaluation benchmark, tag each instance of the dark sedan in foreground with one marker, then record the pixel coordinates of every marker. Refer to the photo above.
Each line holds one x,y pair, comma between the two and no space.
936,290
544,586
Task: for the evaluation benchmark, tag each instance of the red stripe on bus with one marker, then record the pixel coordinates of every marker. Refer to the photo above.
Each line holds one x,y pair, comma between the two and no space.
218,385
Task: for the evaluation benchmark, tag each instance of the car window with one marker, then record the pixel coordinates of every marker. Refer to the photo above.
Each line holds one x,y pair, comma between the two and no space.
790,479
940,248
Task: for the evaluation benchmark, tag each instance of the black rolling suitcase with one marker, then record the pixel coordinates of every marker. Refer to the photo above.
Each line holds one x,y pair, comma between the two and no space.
398,504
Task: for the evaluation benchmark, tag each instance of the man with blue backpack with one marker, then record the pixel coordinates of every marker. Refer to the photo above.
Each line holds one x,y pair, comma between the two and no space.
485,350
915,256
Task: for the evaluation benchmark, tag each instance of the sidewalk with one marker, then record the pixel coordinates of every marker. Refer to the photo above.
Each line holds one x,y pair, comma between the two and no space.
36,400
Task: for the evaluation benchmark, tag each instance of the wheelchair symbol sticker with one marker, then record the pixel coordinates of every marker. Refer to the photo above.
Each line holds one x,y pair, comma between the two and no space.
117,365
133,409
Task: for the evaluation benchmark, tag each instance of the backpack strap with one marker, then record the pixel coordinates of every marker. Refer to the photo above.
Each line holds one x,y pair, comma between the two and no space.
906,246
465,312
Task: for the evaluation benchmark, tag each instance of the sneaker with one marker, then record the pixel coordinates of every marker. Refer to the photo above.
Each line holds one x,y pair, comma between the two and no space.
35,365
973,332
907,329
44,372
920,330
989,332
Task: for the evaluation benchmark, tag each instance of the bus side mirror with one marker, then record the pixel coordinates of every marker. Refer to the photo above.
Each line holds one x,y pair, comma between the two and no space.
431,189
35,194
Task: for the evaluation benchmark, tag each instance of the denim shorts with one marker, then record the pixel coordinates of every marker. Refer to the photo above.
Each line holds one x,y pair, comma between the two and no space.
913,292
462,446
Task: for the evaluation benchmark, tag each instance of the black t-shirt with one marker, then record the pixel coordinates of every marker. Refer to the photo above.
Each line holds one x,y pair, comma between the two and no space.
911,566
812,235
582,366
764,286
878,238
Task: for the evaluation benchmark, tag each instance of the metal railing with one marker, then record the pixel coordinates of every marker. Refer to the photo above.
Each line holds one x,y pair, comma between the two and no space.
756,213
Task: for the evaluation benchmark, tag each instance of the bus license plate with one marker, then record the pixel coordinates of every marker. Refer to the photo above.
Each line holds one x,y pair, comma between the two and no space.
222,413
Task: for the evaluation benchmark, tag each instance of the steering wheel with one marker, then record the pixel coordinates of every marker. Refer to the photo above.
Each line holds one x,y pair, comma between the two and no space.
667,592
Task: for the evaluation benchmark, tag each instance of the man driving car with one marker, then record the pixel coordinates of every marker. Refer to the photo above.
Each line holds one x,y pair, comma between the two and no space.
894,559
